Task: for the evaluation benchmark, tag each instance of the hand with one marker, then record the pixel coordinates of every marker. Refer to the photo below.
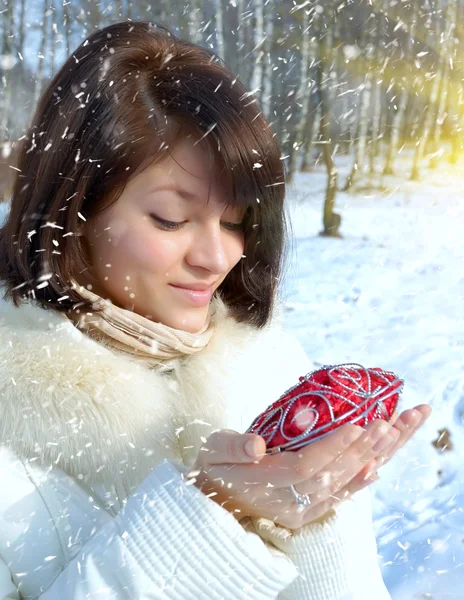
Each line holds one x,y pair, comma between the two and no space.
406,424
403,427
258,486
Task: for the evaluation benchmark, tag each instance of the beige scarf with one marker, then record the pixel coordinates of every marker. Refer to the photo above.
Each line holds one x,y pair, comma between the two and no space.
154,343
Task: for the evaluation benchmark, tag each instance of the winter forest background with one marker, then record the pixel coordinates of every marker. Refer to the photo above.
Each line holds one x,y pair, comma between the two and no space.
366,97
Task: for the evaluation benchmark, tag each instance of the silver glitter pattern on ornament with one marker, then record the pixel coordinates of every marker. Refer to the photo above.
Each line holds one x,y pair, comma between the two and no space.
371,400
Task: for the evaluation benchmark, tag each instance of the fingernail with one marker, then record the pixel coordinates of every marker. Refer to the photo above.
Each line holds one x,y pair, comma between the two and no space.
251,448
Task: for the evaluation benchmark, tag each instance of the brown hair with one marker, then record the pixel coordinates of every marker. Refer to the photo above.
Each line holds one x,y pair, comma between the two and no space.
121,97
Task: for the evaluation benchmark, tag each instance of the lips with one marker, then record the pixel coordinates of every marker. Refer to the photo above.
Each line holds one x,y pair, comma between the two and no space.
193,295
195,287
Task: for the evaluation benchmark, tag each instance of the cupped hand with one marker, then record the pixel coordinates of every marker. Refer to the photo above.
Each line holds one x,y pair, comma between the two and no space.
328,469
407,423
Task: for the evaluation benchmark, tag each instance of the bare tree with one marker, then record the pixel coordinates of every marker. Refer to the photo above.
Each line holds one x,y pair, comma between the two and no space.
8,60
380,64
219,18
53,36
331,219
258,40
443,73
399,117
365,102
302,95
241,41
313,126
196,18
41,52
67,26
430,110
267,94
455,99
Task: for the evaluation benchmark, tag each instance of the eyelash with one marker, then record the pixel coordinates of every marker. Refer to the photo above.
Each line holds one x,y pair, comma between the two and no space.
174,226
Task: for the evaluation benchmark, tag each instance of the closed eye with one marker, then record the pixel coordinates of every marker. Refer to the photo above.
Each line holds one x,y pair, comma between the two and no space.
175,225
167,225
233,226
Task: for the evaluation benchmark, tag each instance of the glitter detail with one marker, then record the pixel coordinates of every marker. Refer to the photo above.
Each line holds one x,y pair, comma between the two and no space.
334,395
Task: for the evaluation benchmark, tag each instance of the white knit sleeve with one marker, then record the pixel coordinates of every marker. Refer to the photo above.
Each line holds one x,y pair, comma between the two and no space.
336,557
173,543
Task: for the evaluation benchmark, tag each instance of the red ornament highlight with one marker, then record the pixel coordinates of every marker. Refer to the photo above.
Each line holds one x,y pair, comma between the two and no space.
326,399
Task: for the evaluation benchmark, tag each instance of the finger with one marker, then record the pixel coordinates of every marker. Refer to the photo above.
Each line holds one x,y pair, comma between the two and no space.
407,425
383,445
374,432
227,446
292,467
393,417
424,409
342,469
362,480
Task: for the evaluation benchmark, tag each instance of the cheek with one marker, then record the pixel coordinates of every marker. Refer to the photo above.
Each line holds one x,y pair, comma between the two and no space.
150,253
235,250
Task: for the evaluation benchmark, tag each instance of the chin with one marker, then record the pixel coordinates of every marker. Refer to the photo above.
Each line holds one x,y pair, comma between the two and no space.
191,323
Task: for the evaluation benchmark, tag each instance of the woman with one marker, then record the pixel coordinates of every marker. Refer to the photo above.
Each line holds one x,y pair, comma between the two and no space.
140,262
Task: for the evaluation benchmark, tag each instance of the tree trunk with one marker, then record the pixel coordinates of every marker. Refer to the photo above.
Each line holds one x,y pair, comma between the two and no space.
21,32
443,91
53,34
455,88
375,135
67,27
196,18
258,40
119,10
219,28
7,51
41,53
242,45
331,220
378,75
94,16
398,119
302,93
129,10
360,161
313,128
440,115
430,113
266,97
361,144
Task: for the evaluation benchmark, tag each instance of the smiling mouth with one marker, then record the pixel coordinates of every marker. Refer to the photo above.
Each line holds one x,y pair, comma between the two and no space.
194,287
193,297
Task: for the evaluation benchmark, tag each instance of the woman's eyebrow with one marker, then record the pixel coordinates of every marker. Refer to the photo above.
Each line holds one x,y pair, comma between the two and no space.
183,193
174,188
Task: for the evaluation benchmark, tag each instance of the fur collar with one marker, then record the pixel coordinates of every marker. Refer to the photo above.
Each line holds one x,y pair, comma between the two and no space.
102,417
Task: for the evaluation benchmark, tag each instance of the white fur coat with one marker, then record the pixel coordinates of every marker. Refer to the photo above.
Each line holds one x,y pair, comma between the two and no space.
100,416
69,404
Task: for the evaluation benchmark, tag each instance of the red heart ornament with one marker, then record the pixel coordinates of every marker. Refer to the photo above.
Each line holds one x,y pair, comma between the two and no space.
328,397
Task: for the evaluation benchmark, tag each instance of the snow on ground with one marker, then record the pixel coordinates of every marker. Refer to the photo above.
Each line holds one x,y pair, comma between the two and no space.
391,294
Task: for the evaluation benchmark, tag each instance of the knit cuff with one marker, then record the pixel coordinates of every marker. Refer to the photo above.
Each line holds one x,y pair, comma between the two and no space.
176,533
336,557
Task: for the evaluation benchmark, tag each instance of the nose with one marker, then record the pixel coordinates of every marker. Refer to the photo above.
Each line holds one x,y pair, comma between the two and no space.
208,250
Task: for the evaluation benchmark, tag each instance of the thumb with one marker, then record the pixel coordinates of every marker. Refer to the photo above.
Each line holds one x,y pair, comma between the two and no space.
228,446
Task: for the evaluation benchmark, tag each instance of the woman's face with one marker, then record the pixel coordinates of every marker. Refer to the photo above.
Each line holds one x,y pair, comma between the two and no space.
168,241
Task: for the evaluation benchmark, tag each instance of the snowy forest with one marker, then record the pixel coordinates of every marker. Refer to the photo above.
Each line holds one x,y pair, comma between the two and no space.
367,78
366,98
